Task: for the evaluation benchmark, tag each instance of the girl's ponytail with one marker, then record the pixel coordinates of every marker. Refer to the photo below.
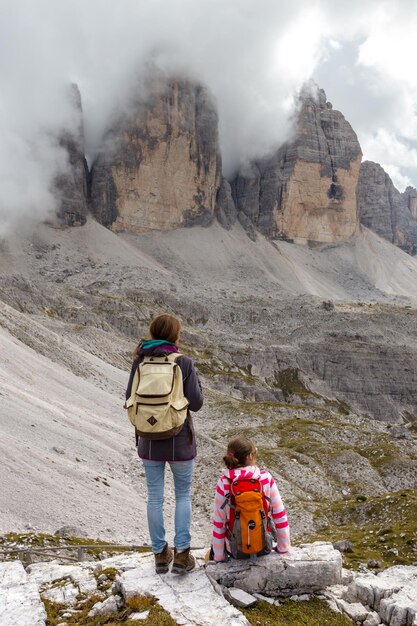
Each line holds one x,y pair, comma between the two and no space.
230,460
238,451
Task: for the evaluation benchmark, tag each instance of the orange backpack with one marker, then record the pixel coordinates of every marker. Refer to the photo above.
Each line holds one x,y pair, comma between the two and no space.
249,529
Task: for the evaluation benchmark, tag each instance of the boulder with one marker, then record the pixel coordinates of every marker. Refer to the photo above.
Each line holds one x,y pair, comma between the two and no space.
306,190
66,532
110,605
307,569
355,610
344,545
372,619
160,168
240,598
142,615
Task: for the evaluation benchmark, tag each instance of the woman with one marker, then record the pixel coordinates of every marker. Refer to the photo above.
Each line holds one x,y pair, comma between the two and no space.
179,451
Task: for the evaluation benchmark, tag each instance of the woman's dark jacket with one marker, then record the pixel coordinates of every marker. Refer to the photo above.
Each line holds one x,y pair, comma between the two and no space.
182,447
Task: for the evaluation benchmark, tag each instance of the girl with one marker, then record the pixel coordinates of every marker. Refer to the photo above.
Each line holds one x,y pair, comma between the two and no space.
240,463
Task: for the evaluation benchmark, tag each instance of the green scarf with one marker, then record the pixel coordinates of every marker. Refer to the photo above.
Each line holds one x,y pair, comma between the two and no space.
153,343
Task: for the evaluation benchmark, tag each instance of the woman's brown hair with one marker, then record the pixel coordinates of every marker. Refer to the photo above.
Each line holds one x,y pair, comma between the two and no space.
238,451
164,326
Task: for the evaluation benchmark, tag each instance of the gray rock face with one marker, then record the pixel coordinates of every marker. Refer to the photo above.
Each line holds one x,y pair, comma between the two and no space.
307,569
160,168
386,211
71,187
307,189
225,207
410,196
345,365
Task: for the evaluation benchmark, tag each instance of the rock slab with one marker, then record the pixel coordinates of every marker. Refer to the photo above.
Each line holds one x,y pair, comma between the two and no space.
307,569
191,600
20,602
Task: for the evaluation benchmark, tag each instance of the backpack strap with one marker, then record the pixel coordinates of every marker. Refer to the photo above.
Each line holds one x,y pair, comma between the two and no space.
171,357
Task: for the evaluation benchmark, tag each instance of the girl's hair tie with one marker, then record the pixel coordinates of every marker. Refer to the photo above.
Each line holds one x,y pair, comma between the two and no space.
230,454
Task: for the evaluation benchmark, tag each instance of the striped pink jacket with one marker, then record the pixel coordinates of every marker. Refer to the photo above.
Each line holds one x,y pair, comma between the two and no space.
221,515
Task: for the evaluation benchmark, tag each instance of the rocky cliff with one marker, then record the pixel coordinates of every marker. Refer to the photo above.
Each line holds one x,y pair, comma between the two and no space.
71,187
161,167
386,211
305,191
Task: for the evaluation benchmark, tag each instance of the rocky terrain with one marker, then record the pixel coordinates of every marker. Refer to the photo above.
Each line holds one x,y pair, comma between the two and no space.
125,589
310,351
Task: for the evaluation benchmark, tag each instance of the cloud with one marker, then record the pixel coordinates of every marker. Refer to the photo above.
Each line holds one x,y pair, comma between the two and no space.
254,57
395,155
372,79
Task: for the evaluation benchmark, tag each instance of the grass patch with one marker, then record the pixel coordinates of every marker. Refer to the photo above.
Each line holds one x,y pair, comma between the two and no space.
304,435
110,572
219,368
157,615
323,434
313,612
44,540
289,382
381,528
265,410
40,540
48,311
380,454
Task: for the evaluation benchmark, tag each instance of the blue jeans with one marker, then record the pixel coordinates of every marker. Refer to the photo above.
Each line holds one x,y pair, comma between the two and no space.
182,472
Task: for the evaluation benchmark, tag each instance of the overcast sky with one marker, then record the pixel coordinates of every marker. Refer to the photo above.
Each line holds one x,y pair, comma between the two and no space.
254,55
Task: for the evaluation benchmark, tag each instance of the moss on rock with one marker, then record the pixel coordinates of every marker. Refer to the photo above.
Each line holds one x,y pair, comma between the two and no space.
313,612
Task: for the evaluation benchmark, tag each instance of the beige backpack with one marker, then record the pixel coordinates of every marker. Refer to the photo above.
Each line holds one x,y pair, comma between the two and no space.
157,406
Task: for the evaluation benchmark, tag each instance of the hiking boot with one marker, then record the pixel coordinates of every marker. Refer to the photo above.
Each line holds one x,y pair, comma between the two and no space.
183,562
163,559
